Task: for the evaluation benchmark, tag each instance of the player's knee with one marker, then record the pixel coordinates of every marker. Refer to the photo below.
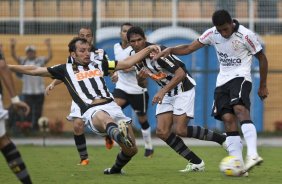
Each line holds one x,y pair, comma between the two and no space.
162,134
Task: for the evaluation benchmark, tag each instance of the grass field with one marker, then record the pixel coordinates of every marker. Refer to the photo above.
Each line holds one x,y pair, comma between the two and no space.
57,165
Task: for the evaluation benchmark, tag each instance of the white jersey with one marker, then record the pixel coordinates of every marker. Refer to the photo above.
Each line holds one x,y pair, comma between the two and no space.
127,81
234,54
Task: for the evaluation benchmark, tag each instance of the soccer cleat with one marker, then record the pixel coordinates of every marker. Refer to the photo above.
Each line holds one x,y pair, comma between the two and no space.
194,167
123,129
84,162
244,173
109,142
109,171
252,161
149,153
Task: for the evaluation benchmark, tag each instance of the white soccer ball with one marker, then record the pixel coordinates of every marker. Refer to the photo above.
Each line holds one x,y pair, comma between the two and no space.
231,166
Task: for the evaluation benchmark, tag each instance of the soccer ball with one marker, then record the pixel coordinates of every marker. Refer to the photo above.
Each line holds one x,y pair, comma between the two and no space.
231,166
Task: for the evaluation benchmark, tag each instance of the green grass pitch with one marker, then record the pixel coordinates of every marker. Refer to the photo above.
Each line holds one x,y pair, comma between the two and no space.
58,165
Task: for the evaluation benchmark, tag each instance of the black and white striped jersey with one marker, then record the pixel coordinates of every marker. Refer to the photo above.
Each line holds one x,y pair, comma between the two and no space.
85,83
163,70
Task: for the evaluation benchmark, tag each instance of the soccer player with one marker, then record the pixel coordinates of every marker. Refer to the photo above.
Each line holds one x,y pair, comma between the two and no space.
75,113
235,46
128,92
84,79
175,101
7,147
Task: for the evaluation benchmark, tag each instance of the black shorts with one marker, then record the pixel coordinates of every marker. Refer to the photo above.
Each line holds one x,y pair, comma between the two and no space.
139,102
234,92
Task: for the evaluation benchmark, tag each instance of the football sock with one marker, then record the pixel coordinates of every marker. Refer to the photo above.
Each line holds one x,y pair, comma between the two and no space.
234,144
121,160
205,134
146,133
80,143
250,135
113,132
177,144
15,162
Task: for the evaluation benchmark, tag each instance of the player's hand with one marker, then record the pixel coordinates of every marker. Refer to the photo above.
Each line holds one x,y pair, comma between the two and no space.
143,73
158,98
263,92
114,77
21,107
49,88
163,53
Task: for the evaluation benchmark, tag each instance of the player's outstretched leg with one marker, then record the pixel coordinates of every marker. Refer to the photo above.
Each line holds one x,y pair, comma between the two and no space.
194,162
128,150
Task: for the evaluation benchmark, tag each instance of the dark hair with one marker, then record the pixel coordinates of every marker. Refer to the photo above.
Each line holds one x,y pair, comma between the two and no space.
135,30
221,17
72,46
85,27
125,24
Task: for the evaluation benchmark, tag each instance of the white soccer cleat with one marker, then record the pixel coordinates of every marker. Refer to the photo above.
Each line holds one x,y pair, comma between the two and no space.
194,167
252,161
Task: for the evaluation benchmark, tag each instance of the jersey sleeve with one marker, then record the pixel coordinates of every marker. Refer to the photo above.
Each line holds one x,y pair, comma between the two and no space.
169,63
57,71
252,43
206,37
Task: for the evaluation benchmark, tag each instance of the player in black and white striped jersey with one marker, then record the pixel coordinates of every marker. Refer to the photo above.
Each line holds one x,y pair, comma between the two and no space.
75,113
85,83
175,101
127,92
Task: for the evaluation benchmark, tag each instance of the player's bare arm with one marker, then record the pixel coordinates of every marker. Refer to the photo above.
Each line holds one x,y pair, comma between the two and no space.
52,85
132,60
6,76
263,68
180,49
30,70
179,76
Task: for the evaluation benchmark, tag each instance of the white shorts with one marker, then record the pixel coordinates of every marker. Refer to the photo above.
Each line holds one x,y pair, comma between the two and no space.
74,112
182,103
111,108
3,117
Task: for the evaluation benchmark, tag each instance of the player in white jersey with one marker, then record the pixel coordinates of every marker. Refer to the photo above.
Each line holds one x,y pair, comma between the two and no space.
7,147
85,82
235,46
75,113
128,92
175,101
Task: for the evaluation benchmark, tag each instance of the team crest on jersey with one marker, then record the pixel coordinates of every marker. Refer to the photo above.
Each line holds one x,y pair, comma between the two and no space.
236,44
88,74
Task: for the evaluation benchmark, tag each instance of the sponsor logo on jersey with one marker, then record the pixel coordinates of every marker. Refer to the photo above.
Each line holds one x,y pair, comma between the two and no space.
158,76
206,35
88,74
250,42
224,60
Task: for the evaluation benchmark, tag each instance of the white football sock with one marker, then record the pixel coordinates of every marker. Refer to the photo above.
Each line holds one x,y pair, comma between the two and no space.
235,146
147,138
250,135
